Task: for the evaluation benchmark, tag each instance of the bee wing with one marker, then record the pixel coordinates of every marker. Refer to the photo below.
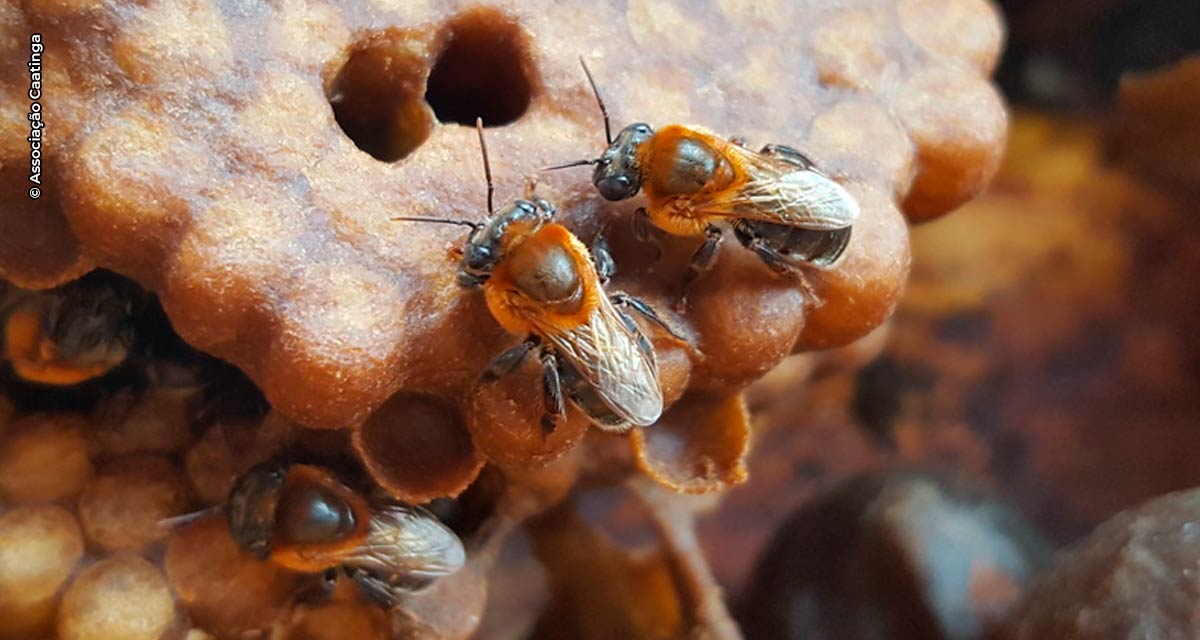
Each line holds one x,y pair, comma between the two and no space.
780,192
606,352
406,543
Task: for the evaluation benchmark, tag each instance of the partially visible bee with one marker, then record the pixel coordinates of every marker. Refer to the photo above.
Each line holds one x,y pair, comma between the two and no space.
68,335
303,518
541,282
779,205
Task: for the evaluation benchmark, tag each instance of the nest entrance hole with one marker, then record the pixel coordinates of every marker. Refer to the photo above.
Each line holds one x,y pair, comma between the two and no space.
485,70
387,100
377,96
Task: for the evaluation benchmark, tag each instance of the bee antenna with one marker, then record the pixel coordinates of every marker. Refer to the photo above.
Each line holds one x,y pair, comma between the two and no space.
181,520
600,101
458,221
568,165
487,166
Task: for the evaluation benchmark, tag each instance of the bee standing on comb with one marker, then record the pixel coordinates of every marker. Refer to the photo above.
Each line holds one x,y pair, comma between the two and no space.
779,204
541,283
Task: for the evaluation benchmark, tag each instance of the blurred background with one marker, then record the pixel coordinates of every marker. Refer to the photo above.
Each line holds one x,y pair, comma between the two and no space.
1047,346
1041,374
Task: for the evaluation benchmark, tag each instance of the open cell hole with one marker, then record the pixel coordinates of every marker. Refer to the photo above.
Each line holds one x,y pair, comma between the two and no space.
376,97
484,70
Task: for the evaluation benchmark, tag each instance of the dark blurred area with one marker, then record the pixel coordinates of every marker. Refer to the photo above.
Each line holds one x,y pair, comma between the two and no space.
1071,54
1046,351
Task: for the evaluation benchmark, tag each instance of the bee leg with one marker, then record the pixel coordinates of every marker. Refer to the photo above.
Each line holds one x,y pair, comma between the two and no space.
552,391
546,208
783,266
739,140
643,231
643,344
320,590
380,591
702,260
605,266
790,155
642,225
641,306
511,359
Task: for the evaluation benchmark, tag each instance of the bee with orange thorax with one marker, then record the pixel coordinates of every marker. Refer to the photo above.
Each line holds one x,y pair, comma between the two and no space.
69,335
303,518
779,204
541,282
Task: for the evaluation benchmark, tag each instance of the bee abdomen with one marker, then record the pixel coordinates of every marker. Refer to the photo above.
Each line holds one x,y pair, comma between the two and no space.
819,247
586,398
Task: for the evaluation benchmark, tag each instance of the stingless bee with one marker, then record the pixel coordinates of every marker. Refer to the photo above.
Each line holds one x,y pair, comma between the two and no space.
69,335
779,204
541,282
303,518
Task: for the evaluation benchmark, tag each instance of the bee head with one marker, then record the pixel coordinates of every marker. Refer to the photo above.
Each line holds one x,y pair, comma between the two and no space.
91,328
617,175
300,505
250,512
485,248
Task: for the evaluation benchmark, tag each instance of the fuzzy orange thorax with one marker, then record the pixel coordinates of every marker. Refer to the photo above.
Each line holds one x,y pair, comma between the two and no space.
520,315
675,213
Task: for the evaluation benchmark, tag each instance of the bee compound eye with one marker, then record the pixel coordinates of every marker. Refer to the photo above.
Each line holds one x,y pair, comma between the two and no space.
615,187
477,256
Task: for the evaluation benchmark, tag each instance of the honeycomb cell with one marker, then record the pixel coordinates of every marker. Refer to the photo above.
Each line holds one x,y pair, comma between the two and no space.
39,548
699,446
662,23
864,287
211,467
49,253
120,173
505,420
337,620
840,133
153,422
449,609
850,50
958,123
218,293
745,330
224,591
340,305
120,598
172,41
968,30
44,458
418,449
122,506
